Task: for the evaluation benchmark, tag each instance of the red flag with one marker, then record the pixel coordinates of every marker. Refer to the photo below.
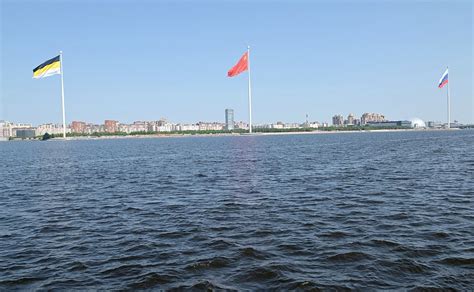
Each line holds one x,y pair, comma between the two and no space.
240,67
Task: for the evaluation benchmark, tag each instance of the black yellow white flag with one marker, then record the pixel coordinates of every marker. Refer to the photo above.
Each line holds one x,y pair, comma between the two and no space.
48,68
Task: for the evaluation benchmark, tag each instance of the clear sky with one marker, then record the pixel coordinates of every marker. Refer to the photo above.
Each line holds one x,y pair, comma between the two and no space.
143,60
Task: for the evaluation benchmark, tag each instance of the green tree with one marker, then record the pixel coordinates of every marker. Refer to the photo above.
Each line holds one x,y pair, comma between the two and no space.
46,136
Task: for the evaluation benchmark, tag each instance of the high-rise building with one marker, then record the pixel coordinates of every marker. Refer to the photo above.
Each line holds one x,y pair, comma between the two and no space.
111,126
350,119
5,130
78,127
229,119
371,117
337,120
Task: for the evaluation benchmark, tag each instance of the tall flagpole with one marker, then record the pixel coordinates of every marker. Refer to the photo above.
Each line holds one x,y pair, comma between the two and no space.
449,100
250,90
62,93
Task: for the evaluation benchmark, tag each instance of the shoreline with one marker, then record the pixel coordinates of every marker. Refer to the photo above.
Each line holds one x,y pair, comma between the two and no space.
157,136
316,132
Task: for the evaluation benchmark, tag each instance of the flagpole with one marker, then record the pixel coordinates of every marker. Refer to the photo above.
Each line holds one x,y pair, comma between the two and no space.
449,101
62,93
250,90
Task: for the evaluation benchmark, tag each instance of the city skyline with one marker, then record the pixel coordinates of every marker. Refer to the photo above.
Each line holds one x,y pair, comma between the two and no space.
229,119
314,62
367,121
373,120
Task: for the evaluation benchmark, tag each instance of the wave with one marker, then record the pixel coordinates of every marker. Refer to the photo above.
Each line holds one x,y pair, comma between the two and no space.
258,274
335,234
352,256
124,270
406,266
220,244
313,286
77,266
382,242
152,280
202,286
21,281
250,252
458,261
213,263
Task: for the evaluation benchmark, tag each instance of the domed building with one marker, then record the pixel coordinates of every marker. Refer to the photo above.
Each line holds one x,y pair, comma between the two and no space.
417,123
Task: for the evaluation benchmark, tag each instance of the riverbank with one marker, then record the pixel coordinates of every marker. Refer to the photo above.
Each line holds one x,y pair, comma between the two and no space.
177,135
226,134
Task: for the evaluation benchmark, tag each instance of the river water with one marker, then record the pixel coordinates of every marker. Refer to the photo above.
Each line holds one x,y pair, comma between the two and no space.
391,210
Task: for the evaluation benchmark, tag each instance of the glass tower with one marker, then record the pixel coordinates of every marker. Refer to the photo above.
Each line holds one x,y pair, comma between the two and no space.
229,119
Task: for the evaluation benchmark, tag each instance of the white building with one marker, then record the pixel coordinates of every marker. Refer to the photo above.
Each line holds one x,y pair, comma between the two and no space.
313,125
165,128
241,125
50,129
417,123
5,130
210,126
187,127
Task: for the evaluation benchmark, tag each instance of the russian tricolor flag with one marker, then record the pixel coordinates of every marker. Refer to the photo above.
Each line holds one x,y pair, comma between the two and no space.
444,79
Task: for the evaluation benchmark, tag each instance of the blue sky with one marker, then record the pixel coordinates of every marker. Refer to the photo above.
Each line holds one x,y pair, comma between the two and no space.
143,60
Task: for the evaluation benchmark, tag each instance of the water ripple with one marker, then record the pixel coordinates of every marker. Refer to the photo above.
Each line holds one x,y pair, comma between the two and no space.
339,212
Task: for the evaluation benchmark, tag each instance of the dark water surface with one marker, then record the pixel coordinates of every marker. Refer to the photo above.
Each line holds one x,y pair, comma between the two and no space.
363,210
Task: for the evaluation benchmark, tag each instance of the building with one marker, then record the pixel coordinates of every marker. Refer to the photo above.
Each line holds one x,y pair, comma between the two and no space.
455,124
138,126
9,129
78,127
25,133
384,124
338,120
203,126
111,126
2,134
241,125
50,129
187,127
437,125
229,119
417,123
350,120
15,127
277,125
371,117
5,130
167,127
92,128
161,125
313,125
